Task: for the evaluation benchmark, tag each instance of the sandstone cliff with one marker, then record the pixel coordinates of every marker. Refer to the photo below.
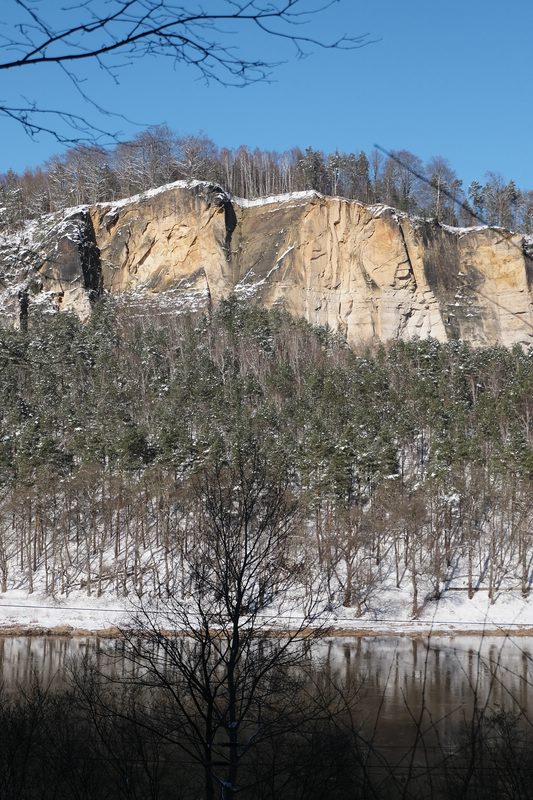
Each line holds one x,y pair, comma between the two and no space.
366,271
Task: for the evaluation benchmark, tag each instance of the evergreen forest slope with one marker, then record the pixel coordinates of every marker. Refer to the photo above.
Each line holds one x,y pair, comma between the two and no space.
409,464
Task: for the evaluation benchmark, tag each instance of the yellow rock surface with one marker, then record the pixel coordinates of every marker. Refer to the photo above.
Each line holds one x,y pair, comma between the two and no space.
368,272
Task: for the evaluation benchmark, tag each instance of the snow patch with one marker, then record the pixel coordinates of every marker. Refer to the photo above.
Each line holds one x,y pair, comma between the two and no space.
149,193
462,231
277,198
245,290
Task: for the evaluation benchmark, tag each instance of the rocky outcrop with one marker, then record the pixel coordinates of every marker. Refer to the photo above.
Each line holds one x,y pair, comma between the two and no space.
54,263
366,271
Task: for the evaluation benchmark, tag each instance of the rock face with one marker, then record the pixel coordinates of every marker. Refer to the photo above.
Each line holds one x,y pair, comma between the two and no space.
368,272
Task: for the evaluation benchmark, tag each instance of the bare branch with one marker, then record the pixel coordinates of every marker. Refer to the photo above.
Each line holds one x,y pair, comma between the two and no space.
133,29
83,131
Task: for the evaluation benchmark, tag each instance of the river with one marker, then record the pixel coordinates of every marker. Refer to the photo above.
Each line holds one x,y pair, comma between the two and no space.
395,676
397,687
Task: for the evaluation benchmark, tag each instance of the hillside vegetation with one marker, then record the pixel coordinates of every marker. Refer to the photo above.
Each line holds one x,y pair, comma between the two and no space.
410,465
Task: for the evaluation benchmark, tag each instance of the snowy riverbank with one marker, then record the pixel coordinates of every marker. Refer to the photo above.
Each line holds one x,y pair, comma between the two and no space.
453,614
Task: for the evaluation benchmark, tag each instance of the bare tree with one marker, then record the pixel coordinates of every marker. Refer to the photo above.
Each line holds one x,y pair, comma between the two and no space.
228,684
196,156
116,33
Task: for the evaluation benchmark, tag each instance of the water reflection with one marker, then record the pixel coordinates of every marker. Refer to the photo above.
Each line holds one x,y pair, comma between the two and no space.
399,680
436,684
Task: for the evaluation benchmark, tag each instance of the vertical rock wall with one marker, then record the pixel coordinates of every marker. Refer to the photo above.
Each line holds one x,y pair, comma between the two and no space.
368,272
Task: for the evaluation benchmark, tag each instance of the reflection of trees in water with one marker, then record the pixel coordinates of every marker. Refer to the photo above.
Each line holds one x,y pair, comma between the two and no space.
388,669
379,718
443,674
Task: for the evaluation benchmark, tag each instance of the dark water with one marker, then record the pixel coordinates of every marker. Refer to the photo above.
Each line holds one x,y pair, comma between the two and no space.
438,686
444,675
417,709
415,703
396,684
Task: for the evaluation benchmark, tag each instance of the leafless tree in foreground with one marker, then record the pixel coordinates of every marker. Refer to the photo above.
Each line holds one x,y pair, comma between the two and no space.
227,665
118,32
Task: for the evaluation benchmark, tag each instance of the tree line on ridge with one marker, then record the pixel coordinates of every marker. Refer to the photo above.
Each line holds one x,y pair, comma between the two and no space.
92,174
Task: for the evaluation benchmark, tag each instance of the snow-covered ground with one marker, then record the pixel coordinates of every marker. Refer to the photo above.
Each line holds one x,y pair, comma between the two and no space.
37,611
454,613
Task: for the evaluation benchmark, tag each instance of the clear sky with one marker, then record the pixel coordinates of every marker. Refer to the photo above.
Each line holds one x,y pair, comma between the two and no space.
447,78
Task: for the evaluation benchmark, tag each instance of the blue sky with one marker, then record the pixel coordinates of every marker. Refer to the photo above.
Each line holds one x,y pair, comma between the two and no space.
443,78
